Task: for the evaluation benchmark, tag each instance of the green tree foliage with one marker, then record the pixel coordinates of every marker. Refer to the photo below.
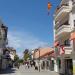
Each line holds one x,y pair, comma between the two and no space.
16,58
26,55
20,60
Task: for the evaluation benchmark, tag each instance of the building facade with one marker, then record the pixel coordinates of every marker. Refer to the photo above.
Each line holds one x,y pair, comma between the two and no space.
12,52
64,24
43,58
12,56
3,42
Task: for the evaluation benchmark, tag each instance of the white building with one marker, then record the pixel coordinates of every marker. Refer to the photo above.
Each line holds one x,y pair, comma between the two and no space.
12,54
64,24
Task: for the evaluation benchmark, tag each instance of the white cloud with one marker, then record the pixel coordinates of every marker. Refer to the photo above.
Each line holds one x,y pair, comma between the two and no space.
21,41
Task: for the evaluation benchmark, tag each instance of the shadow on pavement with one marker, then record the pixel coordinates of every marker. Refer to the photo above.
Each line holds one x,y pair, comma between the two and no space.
8,71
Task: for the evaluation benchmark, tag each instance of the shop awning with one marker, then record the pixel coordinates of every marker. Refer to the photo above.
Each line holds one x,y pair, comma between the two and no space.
72,36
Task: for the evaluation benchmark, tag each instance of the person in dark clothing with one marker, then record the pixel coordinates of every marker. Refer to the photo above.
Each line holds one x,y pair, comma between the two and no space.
34,63
28,64
31,63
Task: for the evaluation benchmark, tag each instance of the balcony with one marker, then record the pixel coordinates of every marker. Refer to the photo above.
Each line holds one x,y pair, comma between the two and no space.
63,29
68,50
60,23
62,11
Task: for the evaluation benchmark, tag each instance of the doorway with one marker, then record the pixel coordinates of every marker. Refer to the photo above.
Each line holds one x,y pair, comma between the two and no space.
52,65
68,67
47,64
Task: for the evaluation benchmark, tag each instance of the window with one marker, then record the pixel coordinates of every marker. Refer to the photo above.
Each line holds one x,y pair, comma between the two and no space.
66,23
67,42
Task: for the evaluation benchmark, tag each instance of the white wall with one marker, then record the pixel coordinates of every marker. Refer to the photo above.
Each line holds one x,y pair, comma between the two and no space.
55,66
12,56
74,16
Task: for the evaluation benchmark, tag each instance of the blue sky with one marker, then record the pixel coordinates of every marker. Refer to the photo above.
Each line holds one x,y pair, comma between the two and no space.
28,22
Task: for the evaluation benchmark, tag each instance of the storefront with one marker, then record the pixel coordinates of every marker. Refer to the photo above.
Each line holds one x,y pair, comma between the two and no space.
66,67
52,65
43,65
73,60
72,38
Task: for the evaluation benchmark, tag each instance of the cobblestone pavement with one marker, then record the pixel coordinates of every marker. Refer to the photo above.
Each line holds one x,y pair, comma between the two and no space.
25,71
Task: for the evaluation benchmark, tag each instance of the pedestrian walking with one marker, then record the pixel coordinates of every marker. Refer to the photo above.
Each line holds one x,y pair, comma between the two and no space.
18,65
34,63
28,64
31,63
36,66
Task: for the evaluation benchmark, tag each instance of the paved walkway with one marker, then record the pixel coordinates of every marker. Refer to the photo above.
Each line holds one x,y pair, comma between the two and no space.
23,70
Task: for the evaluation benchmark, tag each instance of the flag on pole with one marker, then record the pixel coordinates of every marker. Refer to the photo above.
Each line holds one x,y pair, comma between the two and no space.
49,7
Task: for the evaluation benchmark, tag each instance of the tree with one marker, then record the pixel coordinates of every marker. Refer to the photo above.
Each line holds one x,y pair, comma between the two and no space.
26,54
16,58
26,51
20,60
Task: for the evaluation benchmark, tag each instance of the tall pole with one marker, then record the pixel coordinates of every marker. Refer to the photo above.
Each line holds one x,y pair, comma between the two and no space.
39,60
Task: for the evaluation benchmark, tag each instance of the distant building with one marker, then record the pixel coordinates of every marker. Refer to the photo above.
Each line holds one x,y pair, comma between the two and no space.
43,58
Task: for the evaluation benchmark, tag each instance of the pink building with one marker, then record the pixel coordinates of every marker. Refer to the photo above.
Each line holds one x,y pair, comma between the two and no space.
44,57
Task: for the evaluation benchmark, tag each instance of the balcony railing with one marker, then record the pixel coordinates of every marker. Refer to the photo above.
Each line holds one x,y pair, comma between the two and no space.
68,49
63,28
57,26
62,9
59,7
